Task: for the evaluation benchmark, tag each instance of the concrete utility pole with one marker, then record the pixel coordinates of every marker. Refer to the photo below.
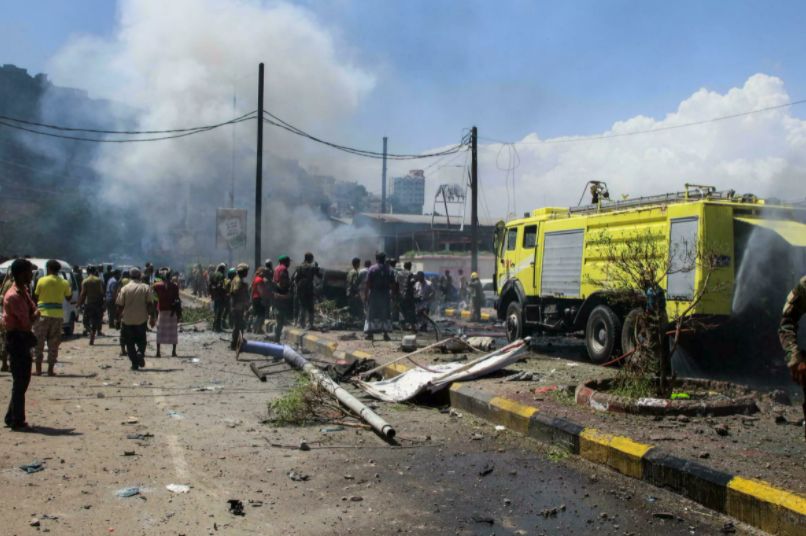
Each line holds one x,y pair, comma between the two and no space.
474,202
383,185
259,171
231,203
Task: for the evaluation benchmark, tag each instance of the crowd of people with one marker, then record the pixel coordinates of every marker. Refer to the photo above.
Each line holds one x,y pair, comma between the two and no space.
135,300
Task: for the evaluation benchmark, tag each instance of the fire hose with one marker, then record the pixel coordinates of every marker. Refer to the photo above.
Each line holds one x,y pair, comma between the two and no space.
291,357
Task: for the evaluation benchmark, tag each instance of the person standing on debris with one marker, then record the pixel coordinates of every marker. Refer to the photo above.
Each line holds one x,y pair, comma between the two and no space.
405,283
268,280
423,294
476,297
92,298
226,320
219,295
111,296
303,278
239,295
135,306
19,315
788,333
79,277
356,306
259,298
379,289
169,306
282,304
50,291
395,305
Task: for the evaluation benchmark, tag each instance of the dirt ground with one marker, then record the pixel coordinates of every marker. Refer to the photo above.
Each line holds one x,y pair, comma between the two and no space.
756,447
216,442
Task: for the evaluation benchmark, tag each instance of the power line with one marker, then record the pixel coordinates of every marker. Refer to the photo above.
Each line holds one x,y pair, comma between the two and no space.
608,136
277,122
197,131
68,129
42,171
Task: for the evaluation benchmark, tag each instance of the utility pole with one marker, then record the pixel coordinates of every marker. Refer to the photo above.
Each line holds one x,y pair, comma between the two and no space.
231,203
383,185
259,171
474,202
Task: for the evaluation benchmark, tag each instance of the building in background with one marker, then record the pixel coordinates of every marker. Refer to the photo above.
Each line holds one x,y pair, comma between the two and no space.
408,193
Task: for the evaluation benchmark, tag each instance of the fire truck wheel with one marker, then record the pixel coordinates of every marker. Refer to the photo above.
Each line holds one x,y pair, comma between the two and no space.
514,322
603,334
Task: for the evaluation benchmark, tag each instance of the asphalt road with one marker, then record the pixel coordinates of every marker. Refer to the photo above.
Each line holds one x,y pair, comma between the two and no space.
216,442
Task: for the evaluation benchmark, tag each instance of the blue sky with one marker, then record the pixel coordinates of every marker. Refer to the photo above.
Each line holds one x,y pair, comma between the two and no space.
512,67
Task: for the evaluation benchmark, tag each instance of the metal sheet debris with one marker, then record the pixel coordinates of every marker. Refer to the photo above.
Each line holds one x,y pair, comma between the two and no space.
418,380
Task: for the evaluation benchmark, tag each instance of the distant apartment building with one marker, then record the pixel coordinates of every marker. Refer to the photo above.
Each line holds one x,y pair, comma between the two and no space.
408,193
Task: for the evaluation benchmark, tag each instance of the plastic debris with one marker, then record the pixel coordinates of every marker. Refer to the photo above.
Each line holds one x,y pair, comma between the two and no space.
572,364
298,477
139,436
128,492
684,396
174,415
132,420
33,467
328,429
546,389
236,507
178,488
500,428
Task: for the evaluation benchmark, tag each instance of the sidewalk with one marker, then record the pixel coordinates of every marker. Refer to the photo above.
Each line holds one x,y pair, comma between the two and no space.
755,473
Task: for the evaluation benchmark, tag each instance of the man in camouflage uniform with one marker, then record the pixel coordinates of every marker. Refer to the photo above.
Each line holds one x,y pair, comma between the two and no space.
356,305
218,294
303,278
239,295
793,310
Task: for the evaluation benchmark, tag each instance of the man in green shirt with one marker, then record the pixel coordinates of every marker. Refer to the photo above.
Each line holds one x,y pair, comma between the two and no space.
92,298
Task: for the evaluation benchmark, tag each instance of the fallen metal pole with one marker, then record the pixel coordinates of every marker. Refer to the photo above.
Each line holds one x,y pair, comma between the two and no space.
291,357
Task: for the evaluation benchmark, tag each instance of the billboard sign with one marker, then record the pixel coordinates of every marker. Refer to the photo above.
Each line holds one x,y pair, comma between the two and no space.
230,228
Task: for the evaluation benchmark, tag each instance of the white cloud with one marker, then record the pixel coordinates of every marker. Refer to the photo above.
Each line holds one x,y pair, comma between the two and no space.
760,153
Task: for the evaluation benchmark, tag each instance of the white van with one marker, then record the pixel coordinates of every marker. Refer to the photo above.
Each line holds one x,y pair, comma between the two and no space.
69,308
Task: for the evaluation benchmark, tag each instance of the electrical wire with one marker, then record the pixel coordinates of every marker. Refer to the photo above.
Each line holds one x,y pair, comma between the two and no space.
95,140
649,131
68,129
277,122
43,171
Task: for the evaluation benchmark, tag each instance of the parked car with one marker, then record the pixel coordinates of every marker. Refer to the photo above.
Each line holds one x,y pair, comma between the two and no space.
69,307
489,292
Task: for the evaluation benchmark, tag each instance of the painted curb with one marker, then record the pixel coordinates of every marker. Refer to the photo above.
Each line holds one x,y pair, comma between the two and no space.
456,313
751,501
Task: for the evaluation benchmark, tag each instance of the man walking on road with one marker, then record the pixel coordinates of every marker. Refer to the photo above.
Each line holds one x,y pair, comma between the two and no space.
239,295
169,311
219,295
49,293
379,290
135,306
92,298
19,315
282,304
111,296
356,306
303,278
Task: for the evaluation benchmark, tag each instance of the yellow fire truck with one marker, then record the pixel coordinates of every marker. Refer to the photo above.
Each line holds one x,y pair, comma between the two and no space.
546,262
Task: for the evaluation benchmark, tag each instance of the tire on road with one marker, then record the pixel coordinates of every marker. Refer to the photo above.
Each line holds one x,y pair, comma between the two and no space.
603,334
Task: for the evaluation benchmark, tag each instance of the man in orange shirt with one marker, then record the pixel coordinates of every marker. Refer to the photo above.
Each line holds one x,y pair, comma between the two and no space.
19,315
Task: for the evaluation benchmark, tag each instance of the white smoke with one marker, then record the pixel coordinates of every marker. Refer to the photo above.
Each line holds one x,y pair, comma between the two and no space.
179,63
760,153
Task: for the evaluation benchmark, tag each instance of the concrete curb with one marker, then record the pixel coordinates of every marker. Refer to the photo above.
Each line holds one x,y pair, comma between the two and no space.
456,313
754,502
190,296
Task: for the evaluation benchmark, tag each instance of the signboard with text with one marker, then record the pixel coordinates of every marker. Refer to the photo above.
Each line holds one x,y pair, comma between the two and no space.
230,228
